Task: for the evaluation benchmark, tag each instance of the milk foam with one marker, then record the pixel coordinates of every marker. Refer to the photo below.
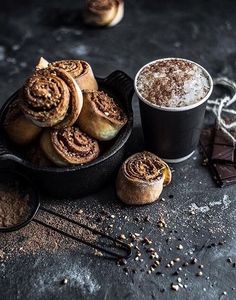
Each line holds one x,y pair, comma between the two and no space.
173,83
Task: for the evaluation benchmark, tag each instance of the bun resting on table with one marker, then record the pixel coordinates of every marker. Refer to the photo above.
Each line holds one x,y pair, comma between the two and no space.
103,12
68,146
51,97
100,116
141,178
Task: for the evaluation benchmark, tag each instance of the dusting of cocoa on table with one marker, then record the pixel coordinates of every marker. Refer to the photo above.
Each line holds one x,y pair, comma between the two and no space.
35,238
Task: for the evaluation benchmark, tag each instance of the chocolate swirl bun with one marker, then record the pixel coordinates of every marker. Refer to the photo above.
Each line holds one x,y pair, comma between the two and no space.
104,12
68,146
51,97
100,116
141,178
80,70
19,129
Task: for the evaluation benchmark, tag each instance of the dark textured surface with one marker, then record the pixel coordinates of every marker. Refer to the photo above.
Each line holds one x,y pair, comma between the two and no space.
203,31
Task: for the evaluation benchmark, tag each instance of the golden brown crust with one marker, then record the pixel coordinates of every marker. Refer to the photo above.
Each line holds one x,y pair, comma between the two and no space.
48,149
80,70
51,97
19,129
103,12
101,117
140,179
69,146
75,106
167,174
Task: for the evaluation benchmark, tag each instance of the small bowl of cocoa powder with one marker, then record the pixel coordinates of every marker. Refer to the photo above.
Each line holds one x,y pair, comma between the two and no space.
18,201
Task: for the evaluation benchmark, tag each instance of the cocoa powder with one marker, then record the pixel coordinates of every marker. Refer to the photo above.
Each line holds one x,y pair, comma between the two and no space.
35,238
14,207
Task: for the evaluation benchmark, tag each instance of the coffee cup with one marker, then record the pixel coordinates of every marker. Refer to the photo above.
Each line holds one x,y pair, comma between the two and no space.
172,118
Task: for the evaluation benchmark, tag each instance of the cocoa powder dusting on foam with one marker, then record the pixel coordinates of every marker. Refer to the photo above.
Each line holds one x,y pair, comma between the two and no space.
173,83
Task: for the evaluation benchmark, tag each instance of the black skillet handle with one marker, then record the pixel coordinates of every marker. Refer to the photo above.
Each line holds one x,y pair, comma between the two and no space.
122,83
3,152
7,155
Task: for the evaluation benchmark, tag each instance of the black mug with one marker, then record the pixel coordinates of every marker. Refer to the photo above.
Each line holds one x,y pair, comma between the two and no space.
172,133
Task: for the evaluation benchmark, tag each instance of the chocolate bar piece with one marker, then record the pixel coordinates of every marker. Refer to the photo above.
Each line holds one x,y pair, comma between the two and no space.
223,172
206,141
226,173
223,149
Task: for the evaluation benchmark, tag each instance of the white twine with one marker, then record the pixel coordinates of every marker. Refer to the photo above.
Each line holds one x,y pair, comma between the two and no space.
221,105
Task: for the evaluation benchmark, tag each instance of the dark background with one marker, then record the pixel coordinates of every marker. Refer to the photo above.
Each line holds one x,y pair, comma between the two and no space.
203,31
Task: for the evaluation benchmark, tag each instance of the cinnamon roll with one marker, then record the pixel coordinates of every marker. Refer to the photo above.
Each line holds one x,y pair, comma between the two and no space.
19,129
68,146
51,97
141,178
104,12
81,71
100,116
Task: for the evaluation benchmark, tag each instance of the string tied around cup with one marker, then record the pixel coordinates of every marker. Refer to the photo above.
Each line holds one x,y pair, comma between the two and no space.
222,105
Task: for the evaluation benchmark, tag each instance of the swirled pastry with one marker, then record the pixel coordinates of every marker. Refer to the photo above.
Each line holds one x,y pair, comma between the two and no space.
51,97
141,178
68,146
100,116
81,71
104,12
19,129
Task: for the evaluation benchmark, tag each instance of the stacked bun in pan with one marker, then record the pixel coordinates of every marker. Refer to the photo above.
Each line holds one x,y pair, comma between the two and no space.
61,111
61,118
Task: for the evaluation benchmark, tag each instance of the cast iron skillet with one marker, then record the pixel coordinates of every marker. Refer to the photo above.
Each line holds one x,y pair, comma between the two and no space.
75,181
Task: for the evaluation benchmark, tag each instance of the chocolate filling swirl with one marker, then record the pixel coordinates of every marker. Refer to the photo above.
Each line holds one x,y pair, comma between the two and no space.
50,97
104,12
101,4
144,167
107,107
80,70
74,67
74,146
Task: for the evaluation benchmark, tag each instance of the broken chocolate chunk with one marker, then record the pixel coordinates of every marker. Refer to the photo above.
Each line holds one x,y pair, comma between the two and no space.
223,149
223,172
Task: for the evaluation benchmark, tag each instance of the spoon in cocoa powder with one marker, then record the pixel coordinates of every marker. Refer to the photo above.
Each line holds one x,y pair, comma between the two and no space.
19,204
